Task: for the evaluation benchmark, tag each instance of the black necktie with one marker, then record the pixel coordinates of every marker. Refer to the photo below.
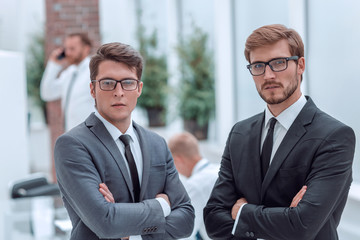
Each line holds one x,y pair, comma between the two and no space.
132,166
267,148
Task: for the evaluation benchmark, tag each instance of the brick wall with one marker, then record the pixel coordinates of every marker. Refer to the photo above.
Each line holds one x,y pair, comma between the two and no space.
64,17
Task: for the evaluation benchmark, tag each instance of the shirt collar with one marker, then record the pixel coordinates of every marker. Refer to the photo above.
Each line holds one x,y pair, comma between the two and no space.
288,116
114,131
200,165
83,64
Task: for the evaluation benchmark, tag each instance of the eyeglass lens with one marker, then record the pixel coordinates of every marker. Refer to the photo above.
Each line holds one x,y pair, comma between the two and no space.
276,65
110,84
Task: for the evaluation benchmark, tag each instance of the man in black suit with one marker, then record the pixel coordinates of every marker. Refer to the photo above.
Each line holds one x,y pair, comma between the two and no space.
286,172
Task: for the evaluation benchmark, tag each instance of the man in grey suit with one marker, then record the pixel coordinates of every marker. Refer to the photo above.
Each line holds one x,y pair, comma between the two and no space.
286,172
114,188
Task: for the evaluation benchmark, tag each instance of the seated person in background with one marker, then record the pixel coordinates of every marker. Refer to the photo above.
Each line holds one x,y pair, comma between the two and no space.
199,176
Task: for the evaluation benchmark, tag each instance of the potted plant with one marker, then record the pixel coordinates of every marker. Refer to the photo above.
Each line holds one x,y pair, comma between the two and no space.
197,96
154,93
35,67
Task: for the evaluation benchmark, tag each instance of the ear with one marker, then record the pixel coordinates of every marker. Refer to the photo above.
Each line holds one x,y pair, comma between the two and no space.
92,90
140,88
301,65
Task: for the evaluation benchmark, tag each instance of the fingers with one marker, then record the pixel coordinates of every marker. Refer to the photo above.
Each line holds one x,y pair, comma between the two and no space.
164,196
104,190
56,52
298,197
235,209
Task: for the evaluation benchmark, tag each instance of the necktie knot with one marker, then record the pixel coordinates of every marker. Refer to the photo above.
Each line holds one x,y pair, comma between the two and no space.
272,123
125,138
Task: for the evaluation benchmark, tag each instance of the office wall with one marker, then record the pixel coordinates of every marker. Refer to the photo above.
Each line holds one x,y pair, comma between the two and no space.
332,62
14,155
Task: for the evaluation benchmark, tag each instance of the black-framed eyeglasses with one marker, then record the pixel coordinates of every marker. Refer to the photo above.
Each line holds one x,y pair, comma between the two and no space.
110,84
276,65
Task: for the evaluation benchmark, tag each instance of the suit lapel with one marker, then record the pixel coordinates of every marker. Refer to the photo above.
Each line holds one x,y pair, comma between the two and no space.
99,130
146,159
292,137
255,141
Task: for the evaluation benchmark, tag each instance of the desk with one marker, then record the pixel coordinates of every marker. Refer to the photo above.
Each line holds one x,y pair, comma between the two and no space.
34,219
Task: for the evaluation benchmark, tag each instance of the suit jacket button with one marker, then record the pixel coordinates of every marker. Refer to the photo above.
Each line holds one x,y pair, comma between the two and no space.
247,234
252,234
155,229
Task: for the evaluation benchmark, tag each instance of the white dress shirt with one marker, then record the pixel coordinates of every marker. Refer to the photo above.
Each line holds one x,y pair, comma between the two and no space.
54,86
136,151
284,121
199,186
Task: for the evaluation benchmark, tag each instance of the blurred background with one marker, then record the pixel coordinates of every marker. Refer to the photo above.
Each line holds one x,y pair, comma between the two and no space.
206,98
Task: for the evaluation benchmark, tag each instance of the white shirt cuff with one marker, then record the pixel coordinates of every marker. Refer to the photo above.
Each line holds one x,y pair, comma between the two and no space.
237,219
135,237
165,206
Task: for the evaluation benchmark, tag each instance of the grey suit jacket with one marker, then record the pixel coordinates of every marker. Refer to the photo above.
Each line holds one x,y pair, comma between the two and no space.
87,156
317,151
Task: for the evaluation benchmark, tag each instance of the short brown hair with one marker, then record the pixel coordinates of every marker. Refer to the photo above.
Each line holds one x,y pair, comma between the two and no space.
184,144
83,37
271,34
117,52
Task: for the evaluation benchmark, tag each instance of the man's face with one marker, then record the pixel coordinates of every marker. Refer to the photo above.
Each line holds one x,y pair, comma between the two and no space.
116,105
278,87
75,50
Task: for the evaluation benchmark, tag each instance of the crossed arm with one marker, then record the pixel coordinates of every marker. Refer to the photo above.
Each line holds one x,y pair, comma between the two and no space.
104,190
240,202
110,198
320,208
79,179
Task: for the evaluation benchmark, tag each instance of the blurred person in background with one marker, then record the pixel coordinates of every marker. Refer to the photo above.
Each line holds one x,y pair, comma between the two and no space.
118,180
198,176
67,77
286,172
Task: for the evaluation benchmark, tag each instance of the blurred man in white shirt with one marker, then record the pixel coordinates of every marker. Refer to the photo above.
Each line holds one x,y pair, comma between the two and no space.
67,77
197,174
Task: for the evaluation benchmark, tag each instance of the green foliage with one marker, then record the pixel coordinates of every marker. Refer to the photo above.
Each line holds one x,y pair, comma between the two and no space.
35,66
197,96
154,93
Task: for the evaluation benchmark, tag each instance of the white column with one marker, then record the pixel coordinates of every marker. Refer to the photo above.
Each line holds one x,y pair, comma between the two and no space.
174,122
224,69
297,21
14,152
118,21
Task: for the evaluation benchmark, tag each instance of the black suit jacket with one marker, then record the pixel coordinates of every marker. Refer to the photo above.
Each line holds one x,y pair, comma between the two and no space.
317,151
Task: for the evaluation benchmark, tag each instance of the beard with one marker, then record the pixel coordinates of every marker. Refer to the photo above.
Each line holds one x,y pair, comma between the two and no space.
75,59
287,93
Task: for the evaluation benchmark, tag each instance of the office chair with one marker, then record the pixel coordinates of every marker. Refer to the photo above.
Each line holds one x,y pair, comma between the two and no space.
33,186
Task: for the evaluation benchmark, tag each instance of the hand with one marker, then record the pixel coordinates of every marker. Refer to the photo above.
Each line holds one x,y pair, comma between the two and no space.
235,209
164,196
106,193
55,53
298,197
